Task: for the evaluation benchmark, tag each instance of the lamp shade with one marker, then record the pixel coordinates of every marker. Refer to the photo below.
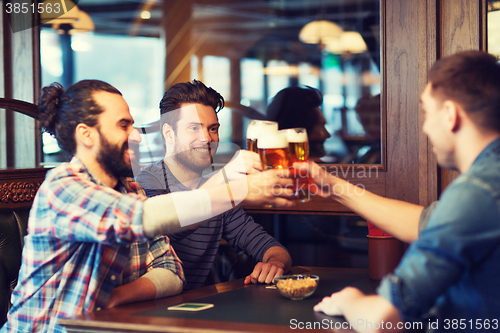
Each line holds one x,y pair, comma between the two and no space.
57,11
316,32
83,24
349,42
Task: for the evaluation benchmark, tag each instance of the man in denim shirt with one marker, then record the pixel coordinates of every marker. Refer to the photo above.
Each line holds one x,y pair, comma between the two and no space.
447,278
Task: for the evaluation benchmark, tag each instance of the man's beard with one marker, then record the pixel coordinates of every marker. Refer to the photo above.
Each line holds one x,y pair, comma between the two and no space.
186,159
111,159
317,149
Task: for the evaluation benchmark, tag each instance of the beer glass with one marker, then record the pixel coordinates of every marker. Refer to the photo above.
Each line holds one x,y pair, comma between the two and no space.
255,128
298,151
298,145
273,150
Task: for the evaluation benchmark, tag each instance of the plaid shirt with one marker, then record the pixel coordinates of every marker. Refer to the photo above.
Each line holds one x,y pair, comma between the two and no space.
84,239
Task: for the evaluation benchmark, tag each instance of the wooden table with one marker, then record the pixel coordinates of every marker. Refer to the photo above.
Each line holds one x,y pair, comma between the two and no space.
237,308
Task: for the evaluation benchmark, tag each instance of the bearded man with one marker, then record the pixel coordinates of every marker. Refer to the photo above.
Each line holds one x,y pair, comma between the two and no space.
94,239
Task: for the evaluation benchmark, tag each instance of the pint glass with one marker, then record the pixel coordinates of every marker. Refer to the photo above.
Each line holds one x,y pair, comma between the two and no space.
273,150
298,151
298,145
255,128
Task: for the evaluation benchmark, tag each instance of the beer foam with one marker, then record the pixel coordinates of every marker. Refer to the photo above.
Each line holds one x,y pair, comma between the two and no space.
293,136
252,132
260,126
272,141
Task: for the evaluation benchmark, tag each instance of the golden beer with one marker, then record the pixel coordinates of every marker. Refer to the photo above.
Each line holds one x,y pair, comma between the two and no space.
252,145
298,151
273,150
274,158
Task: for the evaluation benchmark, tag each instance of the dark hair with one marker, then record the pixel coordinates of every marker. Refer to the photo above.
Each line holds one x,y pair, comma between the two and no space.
471,79
61,111
187,92
292,106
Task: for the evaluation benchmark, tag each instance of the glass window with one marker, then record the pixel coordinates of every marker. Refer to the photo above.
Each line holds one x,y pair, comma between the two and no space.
247,50
264,38
252,81
494,27
135,65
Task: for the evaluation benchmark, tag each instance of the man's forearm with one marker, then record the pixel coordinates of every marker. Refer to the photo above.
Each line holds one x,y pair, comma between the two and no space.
175,212
278,254
157,283
395,217
178,211
141,289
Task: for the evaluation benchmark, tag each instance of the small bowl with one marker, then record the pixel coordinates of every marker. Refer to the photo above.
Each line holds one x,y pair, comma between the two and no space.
296,287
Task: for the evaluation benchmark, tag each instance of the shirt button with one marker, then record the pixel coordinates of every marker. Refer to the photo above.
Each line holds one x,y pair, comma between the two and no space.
113,277
98,309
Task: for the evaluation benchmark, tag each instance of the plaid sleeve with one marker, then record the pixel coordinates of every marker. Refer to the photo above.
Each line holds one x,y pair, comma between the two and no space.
72,207
162,255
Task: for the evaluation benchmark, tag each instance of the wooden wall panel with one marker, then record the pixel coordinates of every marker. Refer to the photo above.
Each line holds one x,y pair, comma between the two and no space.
461,28
408,53
428,169
179,45
432,171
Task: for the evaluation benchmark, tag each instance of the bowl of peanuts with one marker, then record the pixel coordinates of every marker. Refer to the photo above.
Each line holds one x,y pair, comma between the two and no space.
296,287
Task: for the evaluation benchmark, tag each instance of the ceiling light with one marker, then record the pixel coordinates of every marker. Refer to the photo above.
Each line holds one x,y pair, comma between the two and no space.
145,15
83,23
349,42
317,32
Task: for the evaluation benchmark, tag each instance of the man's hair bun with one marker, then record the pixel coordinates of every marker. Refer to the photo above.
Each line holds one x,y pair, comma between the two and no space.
49,106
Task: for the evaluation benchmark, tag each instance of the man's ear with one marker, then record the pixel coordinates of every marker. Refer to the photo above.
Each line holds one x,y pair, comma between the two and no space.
453,115
168,133
84,135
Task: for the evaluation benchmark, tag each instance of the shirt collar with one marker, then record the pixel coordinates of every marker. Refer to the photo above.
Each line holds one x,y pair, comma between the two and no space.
492,149
176,184
123,185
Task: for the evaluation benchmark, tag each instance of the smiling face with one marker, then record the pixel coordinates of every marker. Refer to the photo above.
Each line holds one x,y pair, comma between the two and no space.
117,136
193,141
436,127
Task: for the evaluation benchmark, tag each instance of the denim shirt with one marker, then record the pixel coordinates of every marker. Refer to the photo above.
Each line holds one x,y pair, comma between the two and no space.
451,274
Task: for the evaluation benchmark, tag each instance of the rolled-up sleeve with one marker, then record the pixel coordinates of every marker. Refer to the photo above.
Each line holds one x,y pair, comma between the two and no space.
162,255
425,215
